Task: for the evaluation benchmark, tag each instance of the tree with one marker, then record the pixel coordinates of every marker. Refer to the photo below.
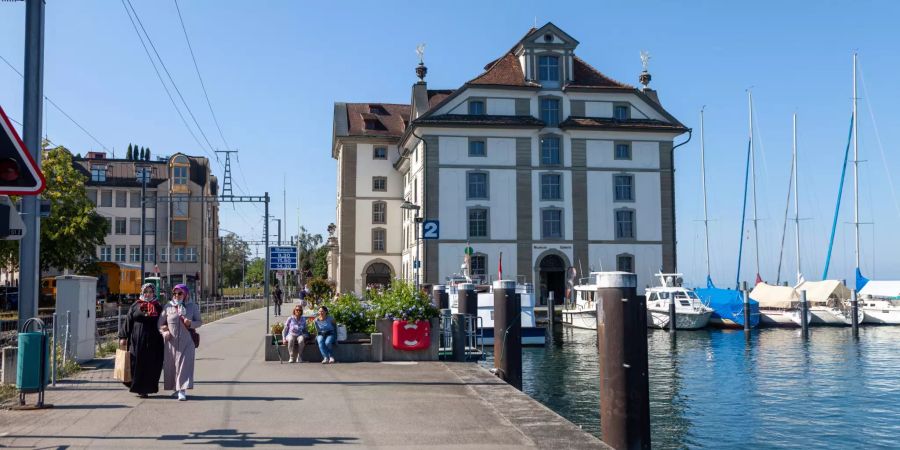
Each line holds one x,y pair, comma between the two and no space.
78,156
320,263
147,154
141,156
255,271
235,253
307,245
129,153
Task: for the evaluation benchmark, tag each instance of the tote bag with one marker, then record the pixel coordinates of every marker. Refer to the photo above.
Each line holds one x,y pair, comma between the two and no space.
122,370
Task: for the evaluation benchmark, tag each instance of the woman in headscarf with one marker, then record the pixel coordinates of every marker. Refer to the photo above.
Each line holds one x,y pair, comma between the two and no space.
142,339
179,316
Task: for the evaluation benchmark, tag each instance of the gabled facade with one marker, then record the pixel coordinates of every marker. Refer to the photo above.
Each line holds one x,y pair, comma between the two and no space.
541,158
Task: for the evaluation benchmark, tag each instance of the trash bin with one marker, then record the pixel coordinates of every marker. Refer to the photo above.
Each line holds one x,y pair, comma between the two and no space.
33,370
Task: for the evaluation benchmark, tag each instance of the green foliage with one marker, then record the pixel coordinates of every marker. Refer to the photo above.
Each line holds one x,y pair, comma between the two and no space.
319,290
320,263
255,272
128,153
308,245
234,256
401,301
350,311
147,154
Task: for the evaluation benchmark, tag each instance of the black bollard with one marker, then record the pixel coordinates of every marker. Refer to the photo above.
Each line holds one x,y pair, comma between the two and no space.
804,315
746,311
551,317
854,312
622,351
466,299
508,332
458,329
439,297
672,319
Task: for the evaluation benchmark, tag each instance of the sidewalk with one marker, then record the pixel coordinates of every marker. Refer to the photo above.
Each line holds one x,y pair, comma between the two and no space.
241,401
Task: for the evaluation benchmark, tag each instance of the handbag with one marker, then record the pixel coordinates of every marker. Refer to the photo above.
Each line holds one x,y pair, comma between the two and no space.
195,336
122,370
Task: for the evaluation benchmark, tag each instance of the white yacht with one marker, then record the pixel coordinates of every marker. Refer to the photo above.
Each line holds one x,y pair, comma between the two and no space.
880,300
581,312
690,312
779,306
829,302
531,333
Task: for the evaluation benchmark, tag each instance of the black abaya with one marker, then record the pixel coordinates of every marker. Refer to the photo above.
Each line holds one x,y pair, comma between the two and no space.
145,344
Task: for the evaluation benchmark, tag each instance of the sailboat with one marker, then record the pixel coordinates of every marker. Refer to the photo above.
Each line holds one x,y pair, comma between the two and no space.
727,304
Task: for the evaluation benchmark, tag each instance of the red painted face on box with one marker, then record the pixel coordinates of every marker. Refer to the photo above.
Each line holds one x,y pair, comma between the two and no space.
411,335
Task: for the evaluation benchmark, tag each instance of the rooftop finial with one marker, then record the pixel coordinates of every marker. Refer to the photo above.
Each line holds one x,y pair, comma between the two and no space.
645,62
421,70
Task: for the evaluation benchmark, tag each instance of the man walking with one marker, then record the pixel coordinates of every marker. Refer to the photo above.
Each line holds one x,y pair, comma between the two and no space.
276,299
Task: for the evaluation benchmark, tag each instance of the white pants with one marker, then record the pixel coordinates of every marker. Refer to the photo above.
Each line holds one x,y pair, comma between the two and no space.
295,346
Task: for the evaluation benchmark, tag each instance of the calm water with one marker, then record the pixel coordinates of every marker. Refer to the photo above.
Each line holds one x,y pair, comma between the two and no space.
711,389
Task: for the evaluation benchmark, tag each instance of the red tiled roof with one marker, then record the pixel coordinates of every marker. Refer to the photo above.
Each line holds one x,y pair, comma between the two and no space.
482,120
587,76
391,124
506,71
607,123
436,96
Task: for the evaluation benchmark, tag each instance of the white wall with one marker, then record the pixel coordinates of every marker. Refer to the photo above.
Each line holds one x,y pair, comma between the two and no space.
453,204
646,205
455,150
366,168
565,203
647,260
364,226
601,153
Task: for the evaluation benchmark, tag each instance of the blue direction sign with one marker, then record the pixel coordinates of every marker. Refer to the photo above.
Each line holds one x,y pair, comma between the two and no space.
282,258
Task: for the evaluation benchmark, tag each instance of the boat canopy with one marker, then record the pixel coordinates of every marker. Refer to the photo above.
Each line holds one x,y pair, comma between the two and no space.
770,296
822,291
881,289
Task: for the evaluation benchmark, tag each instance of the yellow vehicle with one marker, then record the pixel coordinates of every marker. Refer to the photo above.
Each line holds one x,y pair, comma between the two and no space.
118,282
47,295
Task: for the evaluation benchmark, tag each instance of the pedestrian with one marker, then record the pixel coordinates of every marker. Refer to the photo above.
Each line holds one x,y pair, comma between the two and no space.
302,296
327,335
295,334
276,299
142,339
178,318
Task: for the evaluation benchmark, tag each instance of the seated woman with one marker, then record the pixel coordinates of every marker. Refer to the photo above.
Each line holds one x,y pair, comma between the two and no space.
295,334
327,335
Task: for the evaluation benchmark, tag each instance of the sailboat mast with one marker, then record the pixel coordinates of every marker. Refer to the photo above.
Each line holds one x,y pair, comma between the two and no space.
753,176
796,198
855,165
703,182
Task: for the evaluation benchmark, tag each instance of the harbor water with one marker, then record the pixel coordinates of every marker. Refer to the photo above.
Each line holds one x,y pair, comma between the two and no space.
716,389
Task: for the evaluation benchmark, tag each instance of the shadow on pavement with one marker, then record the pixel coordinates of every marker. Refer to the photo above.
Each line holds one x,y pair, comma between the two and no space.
94,406
192,397
228,437
358,383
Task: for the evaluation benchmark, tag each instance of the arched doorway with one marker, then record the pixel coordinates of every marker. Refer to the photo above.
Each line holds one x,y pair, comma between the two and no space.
551,275
378,275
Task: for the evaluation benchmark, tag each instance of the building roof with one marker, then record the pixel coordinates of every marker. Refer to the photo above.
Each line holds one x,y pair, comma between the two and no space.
482,120
505,71
585,76
436,96
377,119
600,123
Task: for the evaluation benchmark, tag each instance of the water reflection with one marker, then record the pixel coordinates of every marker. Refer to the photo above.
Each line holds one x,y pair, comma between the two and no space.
721,389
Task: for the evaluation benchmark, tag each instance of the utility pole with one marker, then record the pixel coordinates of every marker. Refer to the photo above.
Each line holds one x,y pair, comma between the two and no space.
266,262
29,250
143,174
279,229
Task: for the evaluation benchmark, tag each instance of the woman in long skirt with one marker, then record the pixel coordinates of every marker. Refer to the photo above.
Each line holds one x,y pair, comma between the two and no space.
179,316
142,339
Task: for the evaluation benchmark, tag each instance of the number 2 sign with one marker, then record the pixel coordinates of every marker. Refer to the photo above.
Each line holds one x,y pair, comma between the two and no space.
430,229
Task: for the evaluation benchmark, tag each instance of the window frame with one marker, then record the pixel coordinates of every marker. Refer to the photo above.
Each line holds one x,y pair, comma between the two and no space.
150,253
375,232
619,236
175,237
542,109
98,173
483,142
124,228
615,178
616,156
124,253
375,155
559,148
559,186
549,81
382,204
132,256
544,230
474,101
379,178
105,194
479,276
619,258
617,105
106,253
487,185
487,222
131,223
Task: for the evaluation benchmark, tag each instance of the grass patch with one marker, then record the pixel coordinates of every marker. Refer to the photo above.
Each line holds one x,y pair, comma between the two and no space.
107,347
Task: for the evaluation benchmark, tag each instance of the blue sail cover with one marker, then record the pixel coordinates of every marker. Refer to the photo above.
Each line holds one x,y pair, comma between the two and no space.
860,280
728,307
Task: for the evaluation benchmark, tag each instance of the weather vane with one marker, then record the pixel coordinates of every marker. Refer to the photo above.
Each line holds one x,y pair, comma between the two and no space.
420,50
645,59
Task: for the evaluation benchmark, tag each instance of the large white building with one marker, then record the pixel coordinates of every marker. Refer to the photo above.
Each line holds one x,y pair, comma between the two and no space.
541,158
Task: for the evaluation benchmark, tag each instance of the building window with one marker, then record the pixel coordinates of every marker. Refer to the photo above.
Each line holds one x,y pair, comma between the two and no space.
106,199
477,185
179,230
476,107
92,196
98,173
379,212
180,206
105,253
374,124
379,184
179,254
121,225
551,223
378,240
192,254
135,254
548,68
550,152
623,185
478,267
550,186
109,225
550,111
624,224
478,223
180,174
477,147
625,263
620,112
149,253
623,150
135,199
134,226
150,226
164,254
151,199
120,253
122,199
379,153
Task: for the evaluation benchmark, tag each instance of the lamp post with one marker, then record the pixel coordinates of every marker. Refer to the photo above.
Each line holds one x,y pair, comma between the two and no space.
407,205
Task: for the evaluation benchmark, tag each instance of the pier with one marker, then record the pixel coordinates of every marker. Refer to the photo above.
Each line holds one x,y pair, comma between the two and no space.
241,401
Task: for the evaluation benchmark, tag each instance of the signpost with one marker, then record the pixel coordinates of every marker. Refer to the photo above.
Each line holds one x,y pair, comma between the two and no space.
283,258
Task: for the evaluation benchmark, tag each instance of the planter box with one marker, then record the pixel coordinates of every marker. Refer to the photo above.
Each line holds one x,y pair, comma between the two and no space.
386,328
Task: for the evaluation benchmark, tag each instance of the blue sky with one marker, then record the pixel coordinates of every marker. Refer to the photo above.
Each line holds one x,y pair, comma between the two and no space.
274,68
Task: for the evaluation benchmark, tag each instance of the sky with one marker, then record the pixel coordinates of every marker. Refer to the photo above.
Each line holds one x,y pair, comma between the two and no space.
273,70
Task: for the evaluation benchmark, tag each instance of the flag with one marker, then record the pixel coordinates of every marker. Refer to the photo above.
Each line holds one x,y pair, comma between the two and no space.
500,267
758,279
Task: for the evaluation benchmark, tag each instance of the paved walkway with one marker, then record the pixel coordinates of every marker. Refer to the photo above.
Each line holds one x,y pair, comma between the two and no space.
242,401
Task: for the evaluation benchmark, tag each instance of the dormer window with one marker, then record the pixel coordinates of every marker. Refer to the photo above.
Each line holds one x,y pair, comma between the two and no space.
620,111
378,109
374,124
548,69
180,170
98,173
476,107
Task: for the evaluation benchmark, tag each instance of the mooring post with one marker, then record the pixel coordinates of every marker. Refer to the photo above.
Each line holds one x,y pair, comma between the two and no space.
804,315
672,321
466,300
551,317
508,332
746,311
622,351
854,312
439,297
458,330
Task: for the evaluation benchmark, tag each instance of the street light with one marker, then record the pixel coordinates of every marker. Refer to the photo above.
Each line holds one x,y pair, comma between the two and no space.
407,205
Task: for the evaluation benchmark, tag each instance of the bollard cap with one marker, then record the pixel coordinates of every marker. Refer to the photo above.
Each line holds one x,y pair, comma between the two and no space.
504,284
465,286
439,288
616,280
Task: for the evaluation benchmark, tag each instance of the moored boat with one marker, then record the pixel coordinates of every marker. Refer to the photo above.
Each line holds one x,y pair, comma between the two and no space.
880,300
728,307
690,312
779,306
582,311
829,302
531,333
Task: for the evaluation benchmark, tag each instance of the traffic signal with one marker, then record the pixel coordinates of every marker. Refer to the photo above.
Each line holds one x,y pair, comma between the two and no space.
19,175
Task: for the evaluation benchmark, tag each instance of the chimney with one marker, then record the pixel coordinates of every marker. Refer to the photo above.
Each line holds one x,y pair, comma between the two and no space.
419,103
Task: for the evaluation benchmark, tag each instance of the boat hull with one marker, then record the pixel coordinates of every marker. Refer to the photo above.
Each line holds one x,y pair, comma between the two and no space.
683,320
824,315
531,336
780,317
881,316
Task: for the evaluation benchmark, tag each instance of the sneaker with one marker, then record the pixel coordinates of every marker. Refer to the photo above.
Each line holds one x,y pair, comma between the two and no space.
331,360
324,360
181,396
291,360
299,360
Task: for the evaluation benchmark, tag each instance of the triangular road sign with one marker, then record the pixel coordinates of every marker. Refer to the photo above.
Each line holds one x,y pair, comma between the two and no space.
19,175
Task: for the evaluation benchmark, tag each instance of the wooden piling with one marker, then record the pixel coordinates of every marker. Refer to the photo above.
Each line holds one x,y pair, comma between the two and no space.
508,332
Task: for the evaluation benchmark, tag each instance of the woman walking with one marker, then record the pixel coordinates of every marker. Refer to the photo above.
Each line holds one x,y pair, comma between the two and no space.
142,340
327,331
178,318
295,334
